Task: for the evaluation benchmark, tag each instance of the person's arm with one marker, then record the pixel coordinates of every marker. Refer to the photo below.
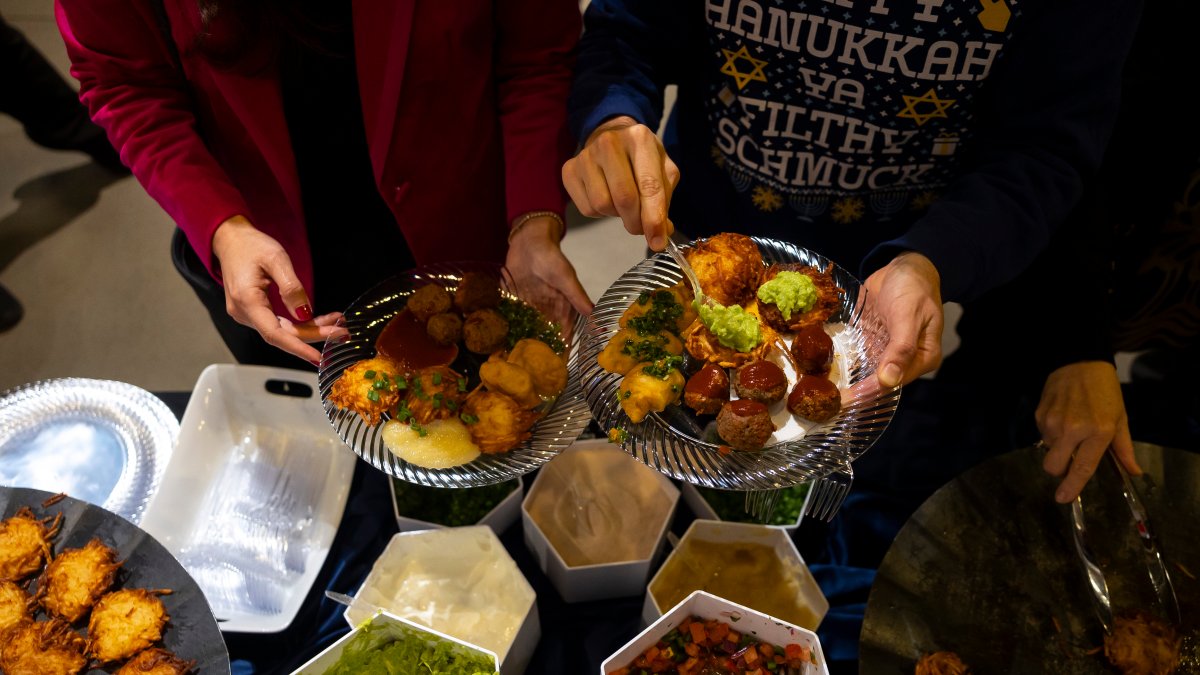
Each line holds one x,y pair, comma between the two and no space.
1051,102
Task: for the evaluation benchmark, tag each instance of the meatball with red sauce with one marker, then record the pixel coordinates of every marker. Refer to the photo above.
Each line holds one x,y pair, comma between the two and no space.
707,390
814,398
760,381
745,425
813,350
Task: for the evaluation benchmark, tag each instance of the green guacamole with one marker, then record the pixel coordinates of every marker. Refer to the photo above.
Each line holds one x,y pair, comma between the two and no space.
377,650
734,327
792,292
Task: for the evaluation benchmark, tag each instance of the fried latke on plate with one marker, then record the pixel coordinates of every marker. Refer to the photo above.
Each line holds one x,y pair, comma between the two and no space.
15,606
25,543
43,648
829,299
125,622
368,388
75,579
155,661
728,267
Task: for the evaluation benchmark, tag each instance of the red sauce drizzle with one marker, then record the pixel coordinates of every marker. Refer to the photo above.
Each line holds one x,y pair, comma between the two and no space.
744,407
404,340
762,375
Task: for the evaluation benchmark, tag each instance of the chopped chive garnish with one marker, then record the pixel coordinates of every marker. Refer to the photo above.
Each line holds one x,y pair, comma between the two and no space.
373,395
369,375
437,378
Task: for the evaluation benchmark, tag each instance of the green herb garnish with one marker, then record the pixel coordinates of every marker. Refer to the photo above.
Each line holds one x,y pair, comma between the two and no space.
663,314
526,322
661,368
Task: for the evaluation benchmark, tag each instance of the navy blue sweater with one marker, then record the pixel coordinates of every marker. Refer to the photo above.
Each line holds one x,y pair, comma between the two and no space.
961,129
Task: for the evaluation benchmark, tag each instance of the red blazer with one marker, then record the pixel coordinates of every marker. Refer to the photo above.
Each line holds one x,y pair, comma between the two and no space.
464,104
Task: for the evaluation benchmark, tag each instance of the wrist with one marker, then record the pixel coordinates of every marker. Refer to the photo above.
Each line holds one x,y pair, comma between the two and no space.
541,224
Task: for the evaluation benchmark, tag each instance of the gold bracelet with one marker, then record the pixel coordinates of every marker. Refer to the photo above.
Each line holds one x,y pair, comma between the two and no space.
562,226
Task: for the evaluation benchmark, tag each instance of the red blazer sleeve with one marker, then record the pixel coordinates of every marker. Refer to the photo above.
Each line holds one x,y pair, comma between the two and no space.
133,89
534,62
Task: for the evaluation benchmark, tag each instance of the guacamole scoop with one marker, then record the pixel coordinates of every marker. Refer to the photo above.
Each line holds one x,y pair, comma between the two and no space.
791,292
734,327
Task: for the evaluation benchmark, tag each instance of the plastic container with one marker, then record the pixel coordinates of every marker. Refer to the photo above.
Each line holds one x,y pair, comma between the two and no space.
506,511
753,565
459,581
596,519
763,627
698,502
383,629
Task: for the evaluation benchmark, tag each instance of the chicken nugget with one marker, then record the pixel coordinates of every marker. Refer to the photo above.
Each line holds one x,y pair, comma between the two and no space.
125,622
75,579
432,394
428,300
156,661
496,422
547,369
477,291
25,543
485,331
728,267
43,648
369,388
15,606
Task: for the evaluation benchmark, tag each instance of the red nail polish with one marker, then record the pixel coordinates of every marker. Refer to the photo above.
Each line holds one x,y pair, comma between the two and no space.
304,313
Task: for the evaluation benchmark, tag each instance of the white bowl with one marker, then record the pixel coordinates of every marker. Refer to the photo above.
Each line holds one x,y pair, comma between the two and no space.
500,518
700,506
744,620
460,581
390,628
804,606
593,488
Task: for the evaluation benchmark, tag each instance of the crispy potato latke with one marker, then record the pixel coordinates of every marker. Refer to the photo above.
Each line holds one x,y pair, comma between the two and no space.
25,543
43,648
728,267
155,661
829,298
15,606
125,622
1142,644
501,424
76,579
941,663
368,388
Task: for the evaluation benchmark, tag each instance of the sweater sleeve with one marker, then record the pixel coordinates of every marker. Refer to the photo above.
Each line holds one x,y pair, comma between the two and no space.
627,57
133,89
1051,104
535,55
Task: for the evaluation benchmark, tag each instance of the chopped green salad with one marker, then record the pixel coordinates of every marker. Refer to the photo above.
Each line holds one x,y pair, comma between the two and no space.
731,505
449,507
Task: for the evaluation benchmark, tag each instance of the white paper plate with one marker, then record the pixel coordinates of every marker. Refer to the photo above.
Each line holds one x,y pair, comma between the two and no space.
104,442
253,497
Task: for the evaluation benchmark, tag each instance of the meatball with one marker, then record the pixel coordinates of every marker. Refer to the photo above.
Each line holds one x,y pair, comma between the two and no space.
445,328
485,331
745,425
707,390
814,398
813,350
476,291
428,300
760,381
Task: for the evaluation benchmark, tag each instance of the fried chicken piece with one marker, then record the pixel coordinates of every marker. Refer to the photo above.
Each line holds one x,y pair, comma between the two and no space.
15,606
433,394
1142,644
369,388
941,663
829,299
125,622
547,369
650,387
43,648
499,375
25,543
667,309
702,344
76,578
626,349
728,267
156,661
498,423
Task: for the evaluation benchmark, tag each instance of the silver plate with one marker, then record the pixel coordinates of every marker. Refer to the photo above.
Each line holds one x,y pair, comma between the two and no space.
675,443
365,320
99,441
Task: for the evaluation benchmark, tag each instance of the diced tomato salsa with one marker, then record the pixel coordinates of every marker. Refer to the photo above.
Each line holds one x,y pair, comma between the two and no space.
698,646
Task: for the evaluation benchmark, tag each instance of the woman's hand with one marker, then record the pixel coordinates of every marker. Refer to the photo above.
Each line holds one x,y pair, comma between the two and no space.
1082,413
624,171
906,295
250,261
542,274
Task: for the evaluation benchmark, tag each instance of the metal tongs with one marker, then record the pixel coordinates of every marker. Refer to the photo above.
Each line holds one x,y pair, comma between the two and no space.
1160,579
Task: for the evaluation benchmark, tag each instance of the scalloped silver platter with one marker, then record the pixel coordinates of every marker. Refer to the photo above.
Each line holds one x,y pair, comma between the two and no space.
674,441
102,441
364,321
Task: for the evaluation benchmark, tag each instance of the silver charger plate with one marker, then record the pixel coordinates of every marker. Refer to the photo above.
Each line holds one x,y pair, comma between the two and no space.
677,443
365,320
101,441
